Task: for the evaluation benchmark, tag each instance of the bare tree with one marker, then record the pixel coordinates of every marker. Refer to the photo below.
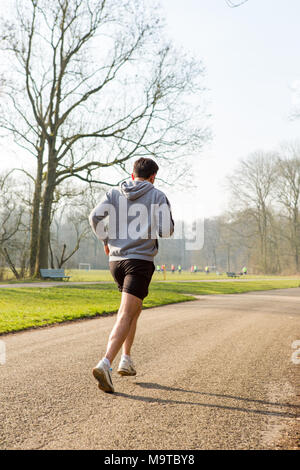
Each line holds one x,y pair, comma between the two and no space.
94,85
13,216
288,195
64,256
252,187
69,222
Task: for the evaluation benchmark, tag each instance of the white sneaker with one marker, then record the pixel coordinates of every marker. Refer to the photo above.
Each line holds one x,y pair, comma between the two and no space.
126,367
102,374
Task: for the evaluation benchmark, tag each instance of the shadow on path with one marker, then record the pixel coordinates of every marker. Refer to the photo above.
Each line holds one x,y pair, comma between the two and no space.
291,412
251,400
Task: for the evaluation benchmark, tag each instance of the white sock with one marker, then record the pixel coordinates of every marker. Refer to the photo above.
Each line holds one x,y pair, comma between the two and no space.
106,362
124,356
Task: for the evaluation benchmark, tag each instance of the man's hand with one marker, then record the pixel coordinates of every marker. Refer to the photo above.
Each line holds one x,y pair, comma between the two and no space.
106,250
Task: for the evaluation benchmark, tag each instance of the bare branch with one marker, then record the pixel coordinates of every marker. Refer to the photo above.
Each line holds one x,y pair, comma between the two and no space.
233,4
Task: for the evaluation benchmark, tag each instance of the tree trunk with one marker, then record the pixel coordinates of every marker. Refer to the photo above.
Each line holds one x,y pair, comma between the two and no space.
44,233
265,248
296,237
51,256
11,264
228,258
35,218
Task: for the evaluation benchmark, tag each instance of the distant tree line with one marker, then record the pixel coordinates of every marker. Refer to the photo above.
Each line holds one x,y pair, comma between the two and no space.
261,230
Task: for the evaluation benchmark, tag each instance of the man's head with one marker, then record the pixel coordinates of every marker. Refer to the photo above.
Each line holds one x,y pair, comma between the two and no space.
145,169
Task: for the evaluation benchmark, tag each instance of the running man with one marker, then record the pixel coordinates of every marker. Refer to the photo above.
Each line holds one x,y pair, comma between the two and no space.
131,253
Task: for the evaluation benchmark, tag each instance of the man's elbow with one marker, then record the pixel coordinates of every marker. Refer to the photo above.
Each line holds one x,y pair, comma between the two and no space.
93,220
166,233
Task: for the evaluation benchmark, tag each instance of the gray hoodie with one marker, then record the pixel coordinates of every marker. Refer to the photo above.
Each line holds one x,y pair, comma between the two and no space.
137,213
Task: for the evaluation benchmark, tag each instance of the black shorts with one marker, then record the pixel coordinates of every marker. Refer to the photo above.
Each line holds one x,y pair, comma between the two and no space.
132,276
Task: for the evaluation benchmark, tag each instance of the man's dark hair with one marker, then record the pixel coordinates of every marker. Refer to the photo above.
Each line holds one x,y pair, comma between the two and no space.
144,168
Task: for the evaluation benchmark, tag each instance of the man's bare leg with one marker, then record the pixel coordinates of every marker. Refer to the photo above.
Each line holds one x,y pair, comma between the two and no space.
128,313
126,349
125,325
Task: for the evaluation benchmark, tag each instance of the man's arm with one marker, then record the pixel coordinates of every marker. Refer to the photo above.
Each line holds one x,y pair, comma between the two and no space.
165,221
97,219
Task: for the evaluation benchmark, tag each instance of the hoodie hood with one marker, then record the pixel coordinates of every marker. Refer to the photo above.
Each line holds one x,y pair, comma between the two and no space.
135,189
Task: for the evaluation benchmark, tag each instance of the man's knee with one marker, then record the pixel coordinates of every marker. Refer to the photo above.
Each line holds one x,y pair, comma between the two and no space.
130,303
125,314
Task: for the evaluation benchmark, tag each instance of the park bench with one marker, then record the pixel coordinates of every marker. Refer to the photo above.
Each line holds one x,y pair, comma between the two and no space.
53,274
232,275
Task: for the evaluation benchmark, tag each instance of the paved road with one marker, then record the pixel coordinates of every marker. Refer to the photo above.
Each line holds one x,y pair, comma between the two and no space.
215,373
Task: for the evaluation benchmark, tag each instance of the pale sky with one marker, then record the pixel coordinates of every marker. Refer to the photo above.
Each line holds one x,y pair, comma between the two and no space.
252,60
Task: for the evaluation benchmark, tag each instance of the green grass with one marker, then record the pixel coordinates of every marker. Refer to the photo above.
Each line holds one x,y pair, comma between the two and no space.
231,287
95,275
24,308
33,307
104,275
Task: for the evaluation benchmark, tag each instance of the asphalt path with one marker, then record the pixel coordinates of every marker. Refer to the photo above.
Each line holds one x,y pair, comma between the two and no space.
215,373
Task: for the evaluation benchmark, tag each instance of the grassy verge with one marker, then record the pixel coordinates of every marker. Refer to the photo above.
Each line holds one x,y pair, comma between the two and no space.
34,307
104,275
206,288
95,275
